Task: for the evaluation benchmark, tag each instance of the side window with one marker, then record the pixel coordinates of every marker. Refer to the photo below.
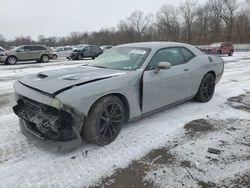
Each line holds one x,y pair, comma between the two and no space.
87,49
36,48
187,54
27,48
170,55
94,48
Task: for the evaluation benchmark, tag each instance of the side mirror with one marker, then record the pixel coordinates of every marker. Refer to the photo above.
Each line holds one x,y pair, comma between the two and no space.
163,66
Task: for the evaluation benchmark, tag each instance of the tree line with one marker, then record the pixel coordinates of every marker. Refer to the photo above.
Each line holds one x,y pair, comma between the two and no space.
191,22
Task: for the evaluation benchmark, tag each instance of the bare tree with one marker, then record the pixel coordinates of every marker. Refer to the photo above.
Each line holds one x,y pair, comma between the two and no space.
126,32
188,11
2,41
139,22
167,22
225,9
213,21
202,22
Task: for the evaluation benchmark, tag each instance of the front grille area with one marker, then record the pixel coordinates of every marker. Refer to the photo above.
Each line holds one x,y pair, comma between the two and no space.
47,121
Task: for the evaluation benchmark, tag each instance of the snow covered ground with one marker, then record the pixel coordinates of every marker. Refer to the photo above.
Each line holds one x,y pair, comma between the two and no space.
26,164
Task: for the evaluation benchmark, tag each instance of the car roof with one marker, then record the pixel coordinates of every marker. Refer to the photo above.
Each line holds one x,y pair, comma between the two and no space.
32,45
154,45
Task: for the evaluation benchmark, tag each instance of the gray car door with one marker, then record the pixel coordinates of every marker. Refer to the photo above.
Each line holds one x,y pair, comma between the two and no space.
167,86
23,53
87,52
35,52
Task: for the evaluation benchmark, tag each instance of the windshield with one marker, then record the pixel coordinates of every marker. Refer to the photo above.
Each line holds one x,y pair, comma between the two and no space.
215,45
122,58
16,48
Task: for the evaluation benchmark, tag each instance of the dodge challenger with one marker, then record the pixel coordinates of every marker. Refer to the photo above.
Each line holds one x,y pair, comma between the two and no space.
92,101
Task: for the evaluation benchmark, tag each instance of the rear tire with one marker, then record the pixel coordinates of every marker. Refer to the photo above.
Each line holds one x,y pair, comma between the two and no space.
231,53
54,56
104,121
206,90
12,60
45,58
219,52
79,57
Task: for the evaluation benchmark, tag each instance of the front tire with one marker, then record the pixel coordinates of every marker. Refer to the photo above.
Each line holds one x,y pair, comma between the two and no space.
206,90
104,121
12,60
45,58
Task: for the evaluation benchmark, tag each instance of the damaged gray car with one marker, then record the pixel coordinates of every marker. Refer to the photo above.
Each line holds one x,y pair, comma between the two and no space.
94,100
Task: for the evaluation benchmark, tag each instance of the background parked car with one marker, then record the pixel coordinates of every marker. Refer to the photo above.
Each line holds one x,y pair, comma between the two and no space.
61,52
92,51
219,48
39,53
106,47
1,49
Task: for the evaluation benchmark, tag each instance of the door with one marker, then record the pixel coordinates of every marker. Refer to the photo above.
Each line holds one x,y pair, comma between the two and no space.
167,86
87,52
35,52
67,52
23,53
60,52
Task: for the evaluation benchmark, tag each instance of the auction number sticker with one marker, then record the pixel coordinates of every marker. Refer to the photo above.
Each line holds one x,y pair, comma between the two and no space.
141,52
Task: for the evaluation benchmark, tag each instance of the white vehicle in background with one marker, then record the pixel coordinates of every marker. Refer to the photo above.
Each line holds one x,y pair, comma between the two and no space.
1,49
61,52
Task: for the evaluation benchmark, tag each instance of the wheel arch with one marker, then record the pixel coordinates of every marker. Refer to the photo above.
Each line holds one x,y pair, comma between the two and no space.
6,61
43,55
211,71
13,56
120,96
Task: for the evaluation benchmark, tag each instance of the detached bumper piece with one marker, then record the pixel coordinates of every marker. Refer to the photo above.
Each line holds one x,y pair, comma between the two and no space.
44,121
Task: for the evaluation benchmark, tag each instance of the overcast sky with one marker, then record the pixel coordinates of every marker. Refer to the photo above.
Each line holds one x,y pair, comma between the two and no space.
60,17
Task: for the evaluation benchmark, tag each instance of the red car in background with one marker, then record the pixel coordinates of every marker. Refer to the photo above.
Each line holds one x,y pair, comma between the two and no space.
219,48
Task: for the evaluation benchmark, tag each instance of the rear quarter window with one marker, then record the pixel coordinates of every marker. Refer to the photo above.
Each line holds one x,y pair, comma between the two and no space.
187,54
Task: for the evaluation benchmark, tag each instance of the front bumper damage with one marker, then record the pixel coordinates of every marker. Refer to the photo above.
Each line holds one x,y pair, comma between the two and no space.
48,124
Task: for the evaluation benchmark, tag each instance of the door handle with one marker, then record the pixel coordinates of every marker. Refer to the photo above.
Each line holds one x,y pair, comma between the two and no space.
186,70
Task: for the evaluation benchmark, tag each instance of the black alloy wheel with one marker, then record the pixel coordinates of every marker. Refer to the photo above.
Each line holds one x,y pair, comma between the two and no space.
104,121
110,121
206,90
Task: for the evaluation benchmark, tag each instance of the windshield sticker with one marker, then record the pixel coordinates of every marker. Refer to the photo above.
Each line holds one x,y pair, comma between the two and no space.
141,52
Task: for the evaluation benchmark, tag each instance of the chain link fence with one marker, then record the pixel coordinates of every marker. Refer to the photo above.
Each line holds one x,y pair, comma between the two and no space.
241,47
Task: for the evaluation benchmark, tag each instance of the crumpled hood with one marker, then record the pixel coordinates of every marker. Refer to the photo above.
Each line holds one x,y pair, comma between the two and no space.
57,81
